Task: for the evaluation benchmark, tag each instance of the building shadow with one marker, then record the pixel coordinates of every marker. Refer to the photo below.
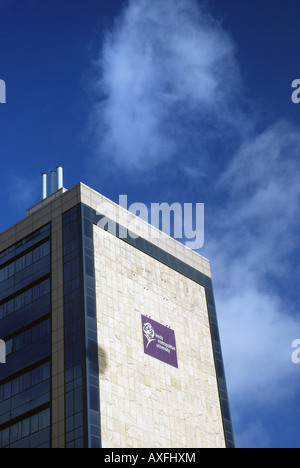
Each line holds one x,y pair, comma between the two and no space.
102,360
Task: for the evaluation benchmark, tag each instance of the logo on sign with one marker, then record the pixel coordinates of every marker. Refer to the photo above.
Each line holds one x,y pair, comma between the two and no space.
149,333
159,341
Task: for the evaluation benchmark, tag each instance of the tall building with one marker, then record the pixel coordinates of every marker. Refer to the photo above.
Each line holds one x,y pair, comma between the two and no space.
111,341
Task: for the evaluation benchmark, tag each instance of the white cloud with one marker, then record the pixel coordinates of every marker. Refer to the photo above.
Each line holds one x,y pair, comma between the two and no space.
252,269
262,184
166,72
254,436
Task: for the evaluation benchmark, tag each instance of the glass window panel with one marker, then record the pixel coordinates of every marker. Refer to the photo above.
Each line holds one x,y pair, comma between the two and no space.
77,371
19,430
68,287
36,292
19,265
27,338
94,401
70,437
68,272
10,307
5,437
9,345
26,381
45,229
70,424
45,372
3,311
45,249
89,266
78,432
44,419
18,302
35,376
15,386
21,383
75,244
75,284
44,328
36,255
28,297
67,234
44,287
78,400
35,333
69,404
75,268
34,423
67,248
78,420
28,259
76,354
25,428
11,270
74,230
13,433
2,275
69,357
17,342
24,299
7,391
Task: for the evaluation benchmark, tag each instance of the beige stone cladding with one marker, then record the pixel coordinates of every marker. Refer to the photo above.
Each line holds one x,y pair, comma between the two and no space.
145,402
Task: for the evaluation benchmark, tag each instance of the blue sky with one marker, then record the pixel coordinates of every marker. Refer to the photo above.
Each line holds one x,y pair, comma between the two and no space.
177,101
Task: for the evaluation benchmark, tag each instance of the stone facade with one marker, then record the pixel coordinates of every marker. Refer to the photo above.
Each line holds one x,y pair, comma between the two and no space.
145,402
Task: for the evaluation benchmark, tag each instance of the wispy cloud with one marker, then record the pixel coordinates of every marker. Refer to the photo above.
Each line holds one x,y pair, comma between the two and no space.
253,245
166,75
262,191
255,435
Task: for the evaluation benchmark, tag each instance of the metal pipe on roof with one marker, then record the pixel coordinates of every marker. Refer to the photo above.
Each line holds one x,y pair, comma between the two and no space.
44,185
53,182
60,178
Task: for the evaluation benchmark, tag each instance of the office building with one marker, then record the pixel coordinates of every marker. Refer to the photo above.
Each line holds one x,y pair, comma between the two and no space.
111,341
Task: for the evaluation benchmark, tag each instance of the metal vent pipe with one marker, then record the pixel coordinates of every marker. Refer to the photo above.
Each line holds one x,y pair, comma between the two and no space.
60,178
44,185
53,182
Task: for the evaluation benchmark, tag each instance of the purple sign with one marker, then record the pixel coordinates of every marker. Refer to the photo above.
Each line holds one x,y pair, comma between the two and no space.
159,341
